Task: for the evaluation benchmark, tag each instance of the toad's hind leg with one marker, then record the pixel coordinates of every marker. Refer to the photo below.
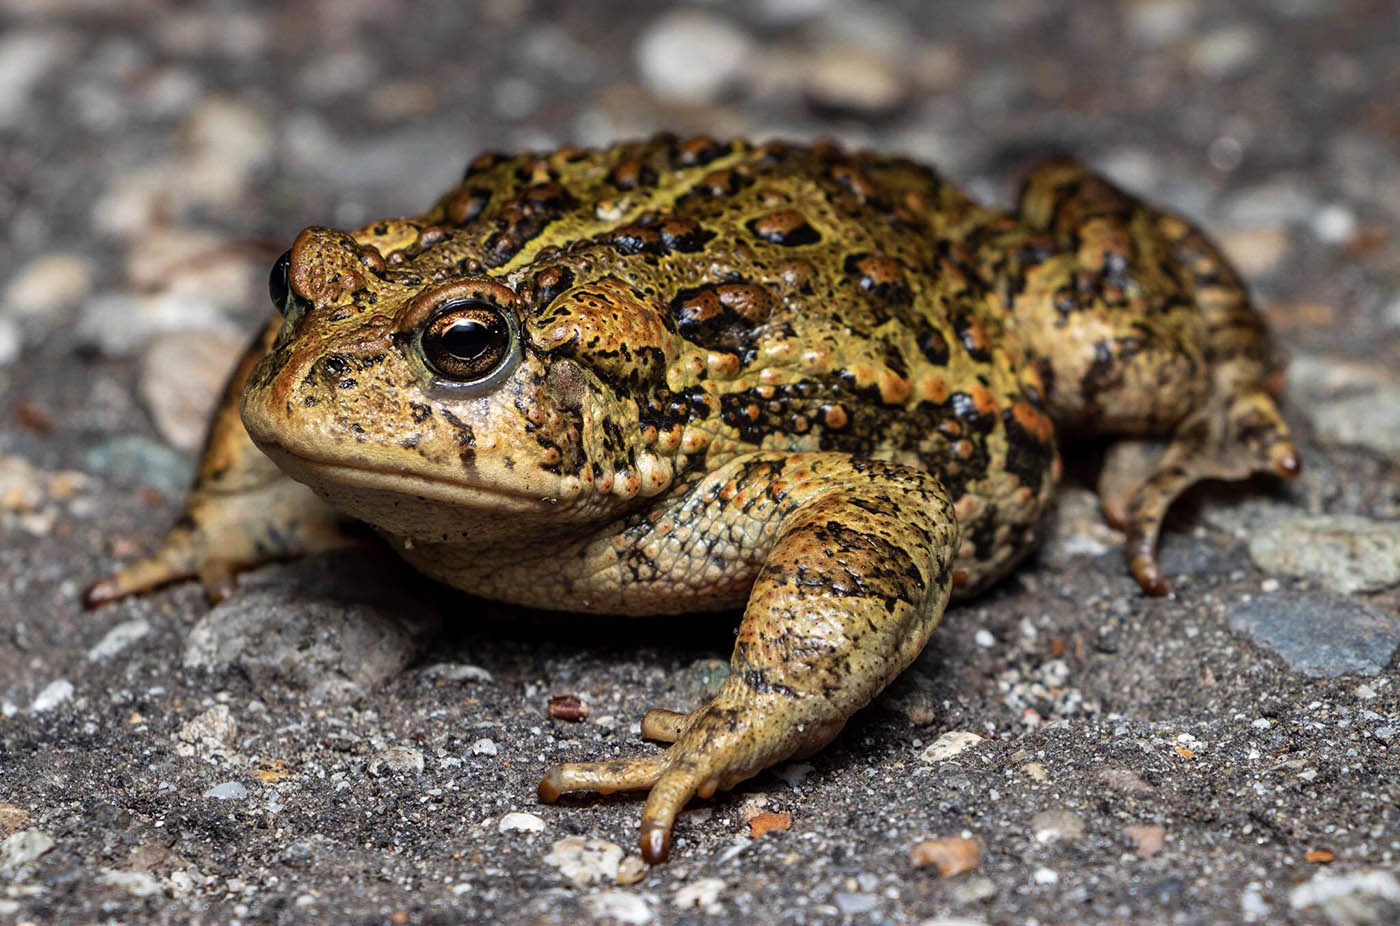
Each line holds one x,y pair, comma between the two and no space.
242,510
1144,329
856,570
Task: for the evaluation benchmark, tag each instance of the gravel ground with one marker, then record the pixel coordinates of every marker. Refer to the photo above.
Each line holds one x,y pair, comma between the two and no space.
342,741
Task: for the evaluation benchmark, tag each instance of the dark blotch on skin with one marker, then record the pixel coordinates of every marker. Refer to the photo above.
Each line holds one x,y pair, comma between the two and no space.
786,227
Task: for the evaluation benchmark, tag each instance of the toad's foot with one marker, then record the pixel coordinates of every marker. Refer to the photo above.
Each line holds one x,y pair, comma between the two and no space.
219,535
242,511
1230,440
733,738
855,579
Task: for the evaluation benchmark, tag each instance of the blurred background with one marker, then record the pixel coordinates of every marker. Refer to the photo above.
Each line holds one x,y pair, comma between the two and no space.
154,156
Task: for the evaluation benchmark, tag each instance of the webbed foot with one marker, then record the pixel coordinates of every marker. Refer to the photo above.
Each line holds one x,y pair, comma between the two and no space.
1231,439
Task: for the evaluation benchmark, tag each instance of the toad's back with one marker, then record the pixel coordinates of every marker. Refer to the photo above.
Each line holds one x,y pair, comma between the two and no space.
823,301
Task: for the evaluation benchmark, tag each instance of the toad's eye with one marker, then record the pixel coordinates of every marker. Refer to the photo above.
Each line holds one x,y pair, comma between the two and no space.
468,342
277,286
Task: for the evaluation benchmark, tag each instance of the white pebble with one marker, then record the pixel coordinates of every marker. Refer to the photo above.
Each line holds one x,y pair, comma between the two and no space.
1045,876
118,639
949,745
690,56
584,860
700,895
54,694
23,847
984,639
622,906
135,883
484,747
403,759
1325,887
520,822
48,284
1334,224
227,791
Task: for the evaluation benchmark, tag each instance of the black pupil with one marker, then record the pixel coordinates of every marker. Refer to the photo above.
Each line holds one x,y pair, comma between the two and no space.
277,282
467,339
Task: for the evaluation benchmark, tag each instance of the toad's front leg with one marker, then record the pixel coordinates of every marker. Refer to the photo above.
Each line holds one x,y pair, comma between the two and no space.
856,560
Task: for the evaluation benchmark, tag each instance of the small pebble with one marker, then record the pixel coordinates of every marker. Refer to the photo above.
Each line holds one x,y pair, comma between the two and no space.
700,895
520,822
227,791
951,855
975,889
12,818
48,284
457,672
763,823
1252,902
23,847
794,773
1334,224
1045,876
585,860
133,459
483,747
135,883
117,639
632,870
949,745
209,735
402,759
853,904
1350,897
1225,52
1148,838
182,377
691,56
618,906
851,79
569,707
1057,825
54,694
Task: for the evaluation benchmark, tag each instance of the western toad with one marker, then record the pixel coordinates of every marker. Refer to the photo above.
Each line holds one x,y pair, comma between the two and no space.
680,375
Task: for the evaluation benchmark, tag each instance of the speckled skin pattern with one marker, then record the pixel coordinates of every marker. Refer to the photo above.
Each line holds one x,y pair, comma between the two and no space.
826,387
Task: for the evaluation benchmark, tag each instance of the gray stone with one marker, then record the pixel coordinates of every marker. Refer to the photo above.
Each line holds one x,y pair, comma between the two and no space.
1057,825
118,638
1320,634
131,459
227,791
334,626
852,904
54,694
23,847
1344,552
401,759
182,377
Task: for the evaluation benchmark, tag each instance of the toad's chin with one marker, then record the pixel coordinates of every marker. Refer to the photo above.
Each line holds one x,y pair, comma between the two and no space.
421,507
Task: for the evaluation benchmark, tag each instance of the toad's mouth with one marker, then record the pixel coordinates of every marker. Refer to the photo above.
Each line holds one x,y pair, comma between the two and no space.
359,484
